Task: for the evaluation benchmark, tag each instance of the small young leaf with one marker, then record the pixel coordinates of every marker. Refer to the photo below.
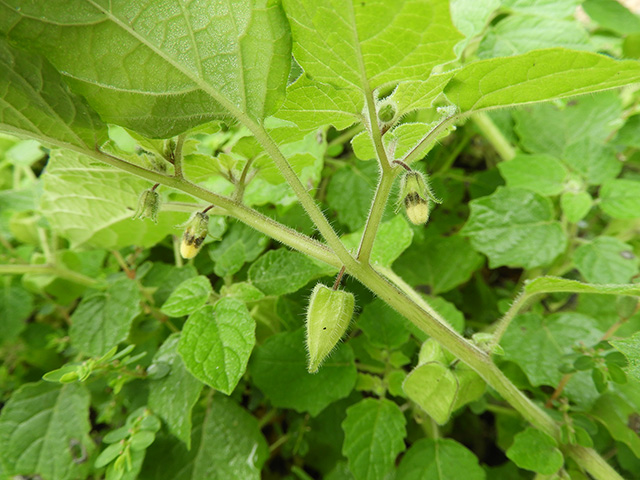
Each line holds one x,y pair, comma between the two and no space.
374,431
621,198
575,206
433,387
537,451
188,297
442,459
606,260
216,342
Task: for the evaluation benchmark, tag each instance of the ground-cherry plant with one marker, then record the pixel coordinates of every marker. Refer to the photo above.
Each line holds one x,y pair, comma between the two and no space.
309,239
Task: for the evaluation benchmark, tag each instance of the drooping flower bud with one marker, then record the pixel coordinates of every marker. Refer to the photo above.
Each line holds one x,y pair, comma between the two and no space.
148,205
414,196
328,317
194,234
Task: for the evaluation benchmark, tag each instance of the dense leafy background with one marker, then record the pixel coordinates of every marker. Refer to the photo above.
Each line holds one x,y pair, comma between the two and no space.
156,368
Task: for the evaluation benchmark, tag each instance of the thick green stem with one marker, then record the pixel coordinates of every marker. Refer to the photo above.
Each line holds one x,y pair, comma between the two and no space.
494,135
307,201
70,275
375,216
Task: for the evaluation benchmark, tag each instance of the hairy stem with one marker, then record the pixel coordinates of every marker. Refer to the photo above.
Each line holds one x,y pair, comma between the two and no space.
375,216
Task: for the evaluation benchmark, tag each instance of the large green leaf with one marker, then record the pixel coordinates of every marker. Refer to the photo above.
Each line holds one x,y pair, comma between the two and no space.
216,343
40,428
103,319
173,396
161,66
37,103
92,203
535,77
515,227
226,444
373,436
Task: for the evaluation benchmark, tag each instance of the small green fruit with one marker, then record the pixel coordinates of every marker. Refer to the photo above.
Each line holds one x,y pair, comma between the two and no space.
194,234
328,317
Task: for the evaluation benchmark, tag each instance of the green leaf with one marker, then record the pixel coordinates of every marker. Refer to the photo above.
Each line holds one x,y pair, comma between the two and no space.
188,297
628,134
226,444
350,192
311,105
542,174
38,104
470,18
630,347
16,305
575,206
92,203
516,228
164,279
616,414
283,271
556,284
103,319
374,432
445,263
612,15
419,94
173,396
538,344
243,291
216,342
575,133
439,459
392,238
535,77
227,58
606,260
374,43
37,426
535,450
519,34
383,326
279,369
241,244
621,198
434,388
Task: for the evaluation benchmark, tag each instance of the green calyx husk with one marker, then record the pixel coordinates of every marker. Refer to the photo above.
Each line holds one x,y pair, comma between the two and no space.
195,232
415,194
328,317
